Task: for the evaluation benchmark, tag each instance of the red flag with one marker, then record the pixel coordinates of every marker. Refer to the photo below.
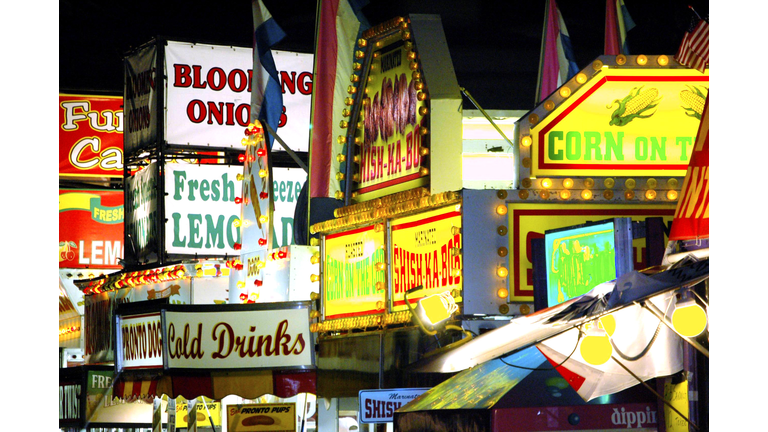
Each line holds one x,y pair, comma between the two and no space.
694,49
692,215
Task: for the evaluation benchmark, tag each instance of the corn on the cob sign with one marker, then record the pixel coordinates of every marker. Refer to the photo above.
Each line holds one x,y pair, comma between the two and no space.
623,122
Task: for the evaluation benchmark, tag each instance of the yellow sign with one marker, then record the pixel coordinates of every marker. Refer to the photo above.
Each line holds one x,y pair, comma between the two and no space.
393,123
623,122
354,273
262,417
677,396
182,417
528,221
426,251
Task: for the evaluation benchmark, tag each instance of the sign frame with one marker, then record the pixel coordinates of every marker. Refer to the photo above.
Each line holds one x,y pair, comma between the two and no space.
392,393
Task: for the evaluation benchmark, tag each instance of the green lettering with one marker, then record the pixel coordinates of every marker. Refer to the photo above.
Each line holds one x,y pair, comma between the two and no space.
641,148
215,193
177,241
214,232
573,145
592,144
685,141
658,148
287,229
231,240
554,155
204,188
178,184
614,145
195,241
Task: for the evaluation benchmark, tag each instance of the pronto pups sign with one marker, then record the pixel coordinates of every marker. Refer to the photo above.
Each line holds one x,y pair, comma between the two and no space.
243,339
623,122
261,417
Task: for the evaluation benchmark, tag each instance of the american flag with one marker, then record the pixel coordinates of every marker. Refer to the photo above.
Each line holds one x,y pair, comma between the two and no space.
694,49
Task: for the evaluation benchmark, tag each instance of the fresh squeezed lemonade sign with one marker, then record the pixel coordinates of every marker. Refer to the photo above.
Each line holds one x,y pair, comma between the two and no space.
201,209
393,121
424,252
351,274
627,122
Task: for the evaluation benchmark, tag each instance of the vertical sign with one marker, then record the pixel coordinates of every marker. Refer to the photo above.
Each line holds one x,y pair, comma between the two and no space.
141,229
140,99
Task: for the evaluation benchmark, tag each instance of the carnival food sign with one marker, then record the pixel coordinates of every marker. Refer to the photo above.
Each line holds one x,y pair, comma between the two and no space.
252,337
139,341
202,207
90,136
90,228
354,272
209,94
426,252
394,123
140,99
633,122
528,221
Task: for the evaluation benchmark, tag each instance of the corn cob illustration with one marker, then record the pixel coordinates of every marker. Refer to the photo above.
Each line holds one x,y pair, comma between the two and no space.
634,105
694,99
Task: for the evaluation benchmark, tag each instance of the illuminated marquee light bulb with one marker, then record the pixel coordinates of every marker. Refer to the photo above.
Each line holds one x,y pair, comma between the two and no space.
239,177
568,183
565,194
263,219
380,266
671,195
241,157
502,272
315,259
262,241
526,141
546,183
236,222
689,319
502,293
263,173
650,194
586,194
261,152
238,200
240,284
501,209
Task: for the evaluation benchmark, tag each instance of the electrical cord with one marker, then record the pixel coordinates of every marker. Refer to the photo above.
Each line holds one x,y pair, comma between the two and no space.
553,368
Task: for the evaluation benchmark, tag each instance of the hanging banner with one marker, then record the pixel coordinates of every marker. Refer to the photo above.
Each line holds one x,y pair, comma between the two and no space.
269,335
262,417
90,228
425,251
140,99
99,328
530,220
141,229
692,214
90,136
354,265
209,95
202,209
625,122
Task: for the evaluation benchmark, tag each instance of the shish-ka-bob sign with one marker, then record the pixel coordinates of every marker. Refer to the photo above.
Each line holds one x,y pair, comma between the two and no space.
254,336
202,207
623,122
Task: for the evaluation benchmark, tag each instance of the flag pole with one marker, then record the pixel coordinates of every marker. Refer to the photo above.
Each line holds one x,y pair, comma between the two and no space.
694,12
541,52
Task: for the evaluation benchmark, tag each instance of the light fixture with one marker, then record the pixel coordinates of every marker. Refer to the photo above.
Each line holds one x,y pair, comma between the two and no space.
595,347
586,194
502,272
436,308
526,141
671,195
689,319
630,183
581,78
314,278
662,60
546,183
565,194
568,183
642,60
650,194
501,209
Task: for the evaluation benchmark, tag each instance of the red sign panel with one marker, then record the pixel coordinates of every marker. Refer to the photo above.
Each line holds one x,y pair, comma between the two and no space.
90,228
692,214
90,136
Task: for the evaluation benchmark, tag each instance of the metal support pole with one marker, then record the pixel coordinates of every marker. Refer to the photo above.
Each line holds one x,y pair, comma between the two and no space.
285,146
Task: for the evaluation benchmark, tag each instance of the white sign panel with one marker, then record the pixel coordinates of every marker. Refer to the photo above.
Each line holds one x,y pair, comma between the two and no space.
202,209
209,94
286,183
242,339
379,406
139,341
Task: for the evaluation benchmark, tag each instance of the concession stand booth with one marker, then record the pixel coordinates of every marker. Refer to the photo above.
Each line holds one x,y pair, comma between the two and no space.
428,249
